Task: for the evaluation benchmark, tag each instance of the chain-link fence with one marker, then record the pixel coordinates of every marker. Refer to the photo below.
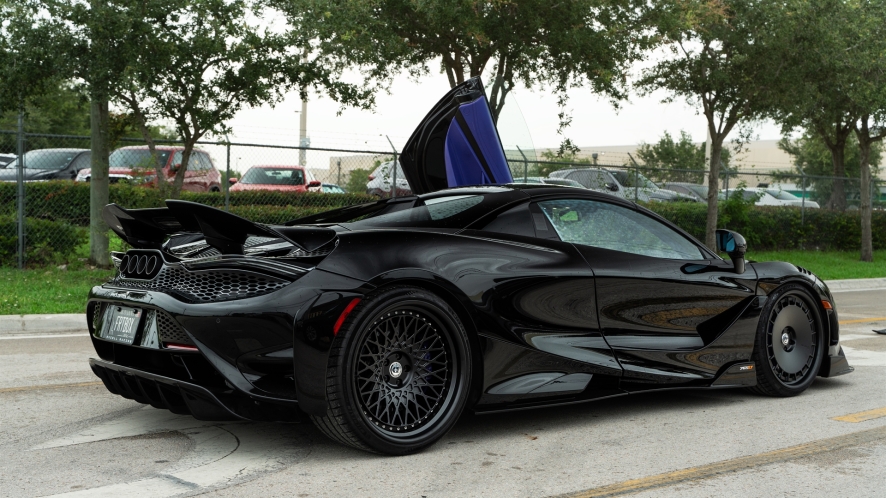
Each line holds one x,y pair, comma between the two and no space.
44,192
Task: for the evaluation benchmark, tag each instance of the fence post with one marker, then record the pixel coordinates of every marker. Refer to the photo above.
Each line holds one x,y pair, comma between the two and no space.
228,178
20,190
803,200
525,165
396,167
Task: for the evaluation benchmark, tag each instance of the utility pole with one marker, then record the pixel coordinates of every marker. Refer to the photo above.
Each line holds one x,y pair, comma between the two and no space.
303,140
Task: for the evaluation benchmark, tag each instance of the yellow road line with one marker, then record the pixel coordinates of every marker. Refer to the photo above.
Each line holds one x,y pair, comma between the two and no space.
733,465
863,320
48,386
862,416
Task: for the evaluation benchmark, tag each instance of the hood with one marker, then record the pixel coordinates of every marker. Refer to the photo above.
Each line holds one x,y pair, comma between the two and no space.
9,174
456,144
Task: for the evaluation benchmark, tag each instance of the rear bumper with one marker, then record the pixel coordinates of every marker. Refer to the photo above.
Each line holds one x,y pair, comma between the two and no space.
185,398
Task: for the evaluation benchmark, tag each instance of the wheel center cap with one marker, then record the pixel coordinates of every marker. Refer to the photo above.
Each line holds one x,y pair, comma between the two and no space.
785,339
395,369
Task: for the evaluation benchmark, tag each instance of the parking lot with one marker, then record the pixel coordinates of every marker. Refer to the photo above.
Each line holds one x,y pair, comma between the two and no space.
62,433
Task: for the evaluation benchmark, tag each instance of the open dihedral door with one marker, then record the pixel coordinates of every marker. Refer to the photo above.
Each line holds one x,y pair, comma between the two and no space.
456,144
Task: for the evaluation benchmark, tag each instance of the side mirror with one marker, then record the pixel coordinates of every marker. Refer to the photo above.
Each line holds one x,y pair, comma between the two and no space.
232,180
613,187
733,244
314,183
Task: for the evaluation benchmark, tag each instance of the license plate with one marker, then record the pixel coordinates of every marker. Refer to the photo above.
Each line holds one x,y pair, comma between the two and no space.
121,324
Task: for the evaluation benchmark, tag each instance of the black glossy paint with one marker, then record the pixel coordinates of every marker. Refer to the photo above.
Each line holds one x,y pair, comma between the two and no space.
550,322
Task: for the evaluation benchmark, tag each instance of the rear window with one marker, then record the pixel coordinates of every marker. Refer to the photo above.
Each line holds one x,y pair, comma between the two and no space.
455,211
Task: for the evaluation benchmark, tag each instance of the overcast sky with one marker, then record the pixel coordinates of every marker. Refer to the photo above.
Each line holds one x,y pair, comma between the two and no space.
595,121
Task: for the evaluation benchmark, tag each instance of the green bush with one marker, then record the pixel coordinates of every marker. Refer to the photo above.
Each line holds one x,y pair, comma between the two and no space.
773,228
69,201
47,242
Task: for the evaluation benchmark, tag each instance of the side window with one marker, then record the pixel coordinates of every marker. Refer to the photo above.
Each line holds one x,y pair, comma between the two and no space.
205,162
608,226
516,221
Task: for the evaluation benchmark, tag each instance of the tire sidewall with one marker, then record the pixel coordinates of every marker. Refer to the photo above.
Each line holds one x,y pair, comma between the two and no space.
770,379
357,326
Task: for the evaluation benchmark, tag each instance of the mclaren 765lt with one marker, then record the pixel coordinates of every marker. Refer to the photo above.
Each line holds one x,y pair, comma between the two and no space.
384,322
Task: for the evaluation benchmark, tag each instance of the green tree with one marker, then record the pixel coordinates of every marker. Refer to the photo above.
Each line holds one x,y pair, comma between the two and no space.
45,42
837,49
357,180
204,60
536,42
677,160
719,61
812,157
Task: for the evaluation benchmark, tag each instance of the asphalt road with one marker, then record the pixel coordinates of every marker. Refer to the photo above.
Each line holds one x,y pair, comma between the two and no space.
62,433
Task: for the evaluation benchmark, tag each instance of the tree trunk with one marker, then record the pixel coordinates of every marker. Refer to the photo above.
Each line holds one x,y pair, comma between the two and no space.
179,181
864,148
98,184
838,192
713,191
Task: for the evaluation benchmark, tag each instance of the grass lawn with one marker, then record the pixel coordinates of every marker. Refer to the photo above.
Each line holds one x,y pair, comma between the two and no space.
47,290
51,290
831,265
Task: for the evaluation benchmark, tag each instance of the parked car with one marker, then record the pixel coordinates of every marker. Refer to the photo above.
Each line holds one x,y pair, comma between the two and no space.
384,323
699,192
644,186
48,164
275,178
135,164
6,159
549,181
380,180
789,199
331,188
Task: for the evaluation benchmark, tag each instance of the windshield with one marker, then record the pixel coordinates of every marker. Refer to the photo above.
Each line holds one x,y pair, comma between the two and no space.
627,179
515,139
46,159
781,194
274,176
136,158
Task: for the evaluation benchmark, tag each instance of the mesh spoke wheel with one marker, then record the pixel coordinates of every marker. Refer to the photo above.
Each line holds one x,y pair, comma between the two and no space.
403,371
399,373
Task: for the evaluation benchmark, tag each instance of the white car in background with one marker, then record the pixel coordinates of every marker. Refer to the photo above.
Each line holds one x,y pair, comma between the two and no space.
381,178
769,197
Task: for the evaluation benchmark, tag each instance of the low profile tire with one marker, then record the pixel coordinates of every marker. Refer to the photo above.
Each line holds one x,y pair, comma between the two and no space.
790,343
399,373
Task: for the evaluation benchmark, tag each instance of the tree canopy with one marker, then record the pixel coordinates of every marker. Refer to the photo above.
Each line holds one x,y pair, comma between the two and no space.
536,42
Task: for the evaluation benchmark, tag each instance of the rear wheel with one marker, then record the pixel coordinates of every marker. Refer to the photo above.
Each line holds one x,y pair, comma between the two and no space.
790,344
398,375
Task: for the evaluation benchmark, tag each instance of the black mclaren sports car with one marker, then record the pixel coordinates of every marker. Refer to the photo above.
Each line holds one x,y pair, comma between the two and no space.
384,322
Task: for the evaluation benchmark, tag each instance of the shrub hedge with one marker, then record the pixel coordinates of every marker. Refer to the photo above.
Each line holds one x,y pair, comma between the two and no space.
69,201
57,213
48,242
772,228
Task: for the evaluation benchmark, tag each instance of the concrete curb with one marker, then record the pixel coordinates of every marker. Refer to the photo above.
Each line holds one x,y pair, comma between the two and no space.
13,325
857,284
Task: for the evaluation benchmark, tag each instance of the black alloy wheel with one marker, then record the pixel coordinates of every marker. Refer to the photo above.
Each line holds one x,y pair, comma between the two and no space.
399,372
790,342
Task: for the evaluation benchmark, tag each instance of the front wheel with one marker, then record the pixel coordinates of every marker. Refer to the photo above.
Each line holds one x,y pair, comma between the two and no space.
398,373
789,344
